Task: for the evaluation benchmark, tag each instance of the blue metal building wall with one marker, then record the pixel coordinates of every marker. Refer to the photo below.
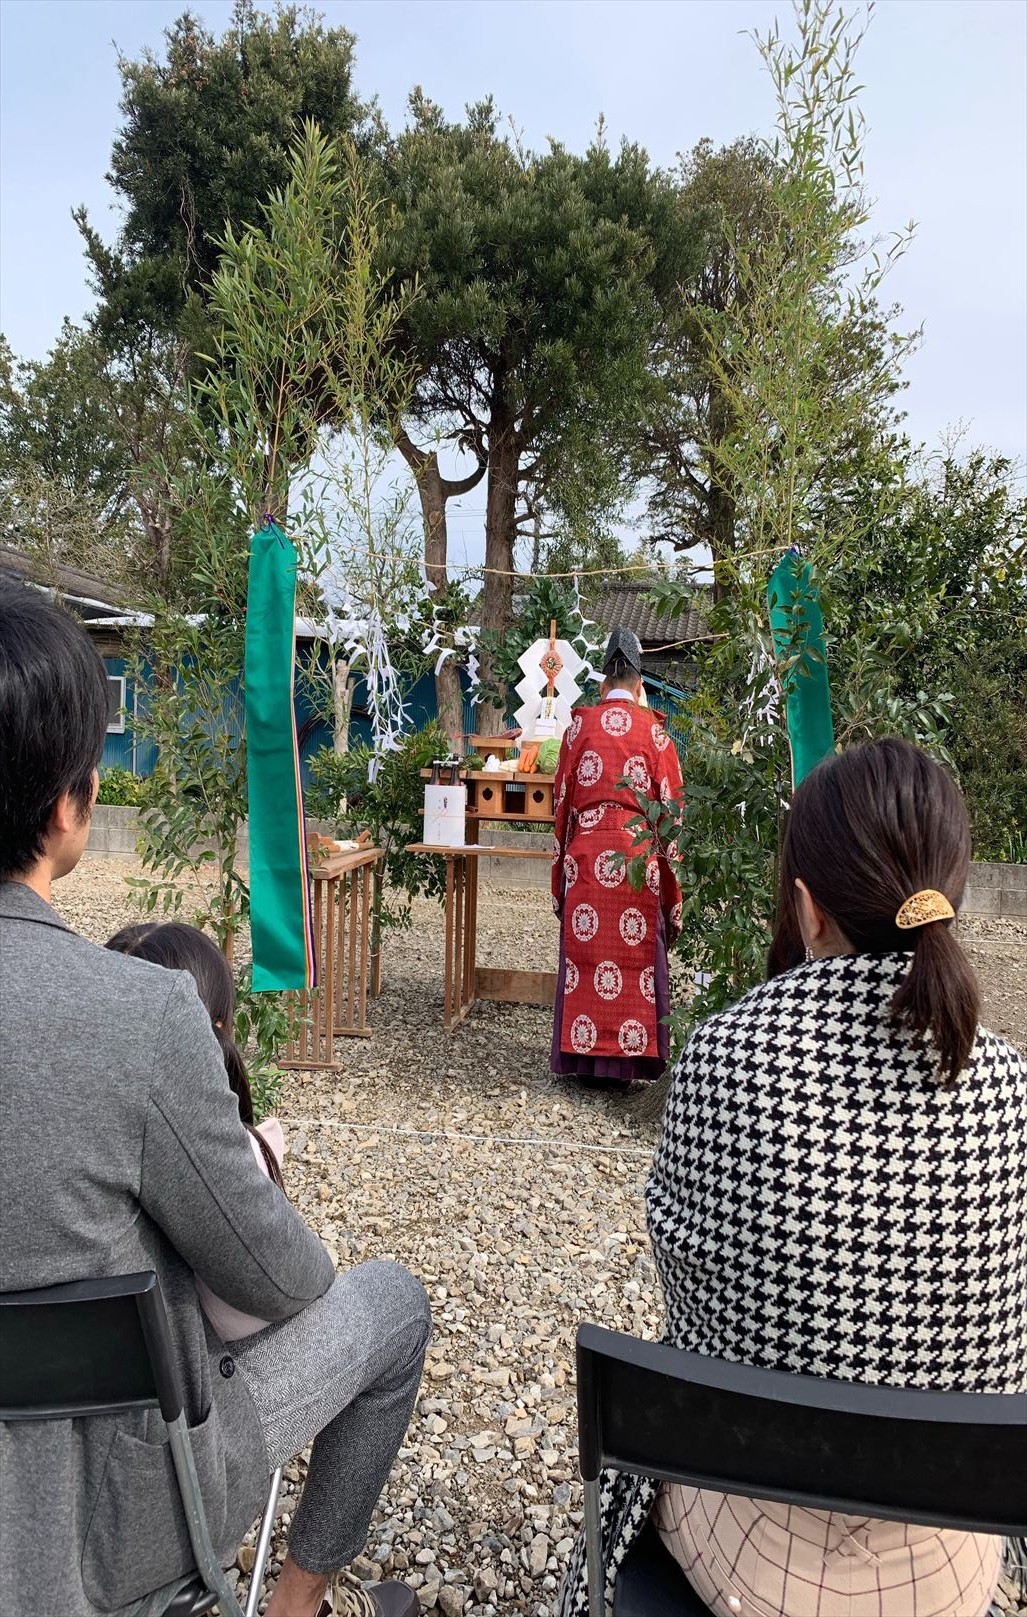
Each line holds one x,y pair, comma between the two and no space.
139,755
129,751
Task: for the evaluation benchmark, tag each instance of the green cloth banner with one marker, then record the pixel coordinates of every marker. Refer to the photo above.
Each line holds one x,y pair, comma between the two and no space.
280,917
797,626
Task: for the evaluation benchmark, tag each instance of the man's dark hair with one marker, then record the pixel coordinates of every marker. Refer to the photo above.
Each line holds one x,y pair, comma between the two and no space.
53,721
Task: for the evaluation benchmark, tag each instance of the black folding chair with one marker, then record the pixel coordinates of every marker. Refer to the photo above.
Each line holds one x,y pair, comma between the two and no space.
102,1347
945,1459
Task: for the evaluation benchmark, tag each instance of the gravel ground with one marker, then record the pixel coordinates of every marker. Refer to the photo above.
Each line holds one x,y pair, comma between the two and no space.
518,1201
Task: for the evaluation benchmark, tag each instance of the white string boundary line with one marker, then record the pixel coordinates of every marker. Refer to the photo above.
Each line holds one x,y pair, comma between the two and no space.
475,1139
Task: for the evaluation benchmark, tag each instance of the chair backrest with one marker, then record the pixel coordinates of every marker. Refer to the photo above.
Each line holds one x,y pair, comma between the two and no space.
945,1459
90,1347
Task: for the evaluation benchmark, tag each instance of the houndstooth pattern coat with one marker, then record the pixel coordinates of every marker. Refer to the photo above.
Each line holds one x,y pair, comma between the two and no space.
819,1204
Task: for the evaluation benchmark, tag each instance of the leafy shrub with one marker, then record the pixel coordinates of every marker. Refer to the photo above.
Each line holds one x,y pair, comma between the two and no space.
261,1029
119,788
389,807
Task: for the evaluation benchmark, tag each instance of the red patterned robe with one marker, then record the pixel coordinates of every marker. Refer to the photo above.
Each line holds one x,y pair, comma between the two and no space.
613,979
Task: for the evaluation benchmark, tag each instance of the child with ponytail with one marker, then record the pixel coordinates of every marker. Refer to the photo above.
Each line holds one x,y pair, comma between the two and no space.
183,948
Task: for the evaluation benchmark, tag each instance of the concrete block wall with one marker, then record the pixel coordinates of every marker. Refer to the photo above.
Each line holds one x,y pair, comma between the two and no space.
532,874
113,832
993,890
997,890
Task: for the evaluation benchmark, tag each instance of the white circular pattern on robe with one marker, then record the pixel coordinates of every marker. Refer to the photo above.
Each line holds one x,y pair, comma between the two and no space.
615,719
562,793
632,926
571,978
585,923
608,979
584,1035
647,984
665,792
557,849
590,768
661,740
610,870
676,914
652,875
570,869
636,771
633,1038
589,818
575,729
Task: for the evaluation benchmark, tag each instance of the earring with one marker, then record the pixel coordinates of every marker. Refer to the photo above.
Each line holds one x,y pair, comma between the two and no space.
809,955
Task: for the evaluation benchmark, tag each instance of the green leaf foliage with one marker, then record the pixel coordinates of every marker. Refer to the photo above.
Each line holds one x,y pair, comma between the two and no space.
208,126
119,788
390,808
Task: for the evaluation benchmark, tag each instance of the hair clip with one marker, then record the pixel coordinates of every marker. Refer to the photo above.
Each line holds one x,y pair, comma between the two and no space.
920,909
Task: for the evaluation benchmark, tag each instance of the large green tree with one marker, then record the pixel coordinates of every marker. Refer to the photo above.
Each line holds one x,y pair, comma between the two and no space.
87,442
749,234
947,570
207,127
540,276
539,273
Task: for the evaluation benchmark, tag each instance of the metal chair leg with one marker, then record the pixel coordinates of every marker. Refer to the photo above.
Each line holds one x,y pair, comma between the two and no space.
267,1522
207,1562
594,1551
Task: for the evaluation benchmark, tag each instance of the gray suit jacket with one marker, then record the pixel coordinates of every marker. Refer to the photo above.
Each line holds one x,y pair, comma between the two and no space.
122,1150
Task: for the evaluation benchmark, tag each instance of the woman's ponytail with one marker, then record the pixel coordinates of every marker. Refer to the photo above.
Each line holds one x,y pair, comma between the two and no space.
940,997
869,831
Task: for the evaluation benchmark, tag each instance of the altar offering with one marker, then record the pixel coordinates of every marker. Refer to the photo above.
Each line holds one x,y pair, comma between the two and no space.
445,814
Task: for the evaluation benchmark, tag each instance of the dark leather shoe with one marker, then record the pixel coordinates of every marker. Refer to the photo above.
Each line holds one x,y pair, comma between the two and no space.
394,1600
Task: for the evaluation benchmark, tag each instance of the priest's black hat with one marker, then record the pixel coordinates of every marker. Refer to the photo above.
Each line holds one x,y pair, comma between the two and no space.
623,650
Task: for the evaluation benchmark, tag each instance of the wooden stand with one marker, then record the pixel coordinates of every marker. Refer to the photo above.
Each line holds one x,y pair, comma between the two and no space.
504,795
465,980
345,897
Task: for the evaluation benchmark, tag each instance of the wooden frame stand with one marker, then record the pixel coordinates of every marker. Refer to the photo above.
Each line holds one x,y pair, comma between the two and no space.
344,901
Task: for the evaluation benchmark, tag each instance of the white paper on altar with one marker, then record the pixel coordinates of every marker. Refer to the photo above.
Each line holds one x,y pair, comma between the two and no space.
445,811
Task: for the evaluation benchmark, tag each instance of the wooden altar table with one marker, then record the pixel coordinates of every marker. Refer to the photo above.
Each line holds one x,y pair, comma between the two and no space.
465,980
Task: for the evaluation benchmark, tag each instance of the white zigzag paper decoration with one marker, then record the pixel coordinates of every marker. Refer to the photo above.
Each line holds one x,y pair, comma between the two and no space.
534,687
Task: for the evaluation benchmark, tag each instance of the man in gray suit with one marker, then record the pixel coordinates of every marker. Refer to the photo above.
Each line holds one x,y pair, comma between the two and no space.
122,1150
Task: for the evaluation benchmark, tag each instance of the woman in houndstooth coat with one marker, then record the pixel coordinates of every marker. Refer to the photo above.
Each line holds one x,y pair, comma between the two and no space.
824,1199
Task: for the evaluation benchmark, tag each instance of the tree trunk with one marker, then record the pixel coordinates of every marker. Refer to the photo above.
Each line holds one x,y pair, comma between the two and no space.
342,692
496,612
721,502
433,491
536,542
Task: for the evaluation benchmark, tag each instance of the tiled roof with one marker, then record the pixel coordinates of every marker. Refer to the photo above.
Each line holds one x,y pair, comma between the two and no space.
629,606
92,594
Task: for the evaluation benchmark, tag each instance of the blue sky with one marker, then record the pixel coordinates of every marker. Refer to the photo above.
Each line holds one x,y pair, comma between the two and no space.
945,99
